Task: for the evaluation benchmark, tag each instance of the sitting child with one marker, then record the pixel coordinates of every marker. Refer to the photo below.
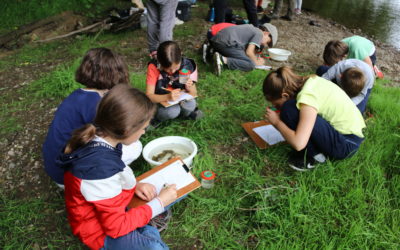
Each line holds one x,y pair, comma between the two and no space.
99,185
100,70
356,47
237,46
163,83
316,117
355,77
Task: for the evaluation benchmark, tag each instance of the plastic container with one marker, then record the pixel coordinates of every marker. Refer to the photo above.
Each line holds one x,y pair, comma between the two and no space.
279,54
184,75
212,15
180,145
207,179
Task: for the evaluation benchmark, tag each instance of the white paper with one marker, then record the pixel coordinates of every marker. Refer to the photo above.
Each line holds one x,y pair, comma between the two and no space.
172,174
269,134
183,96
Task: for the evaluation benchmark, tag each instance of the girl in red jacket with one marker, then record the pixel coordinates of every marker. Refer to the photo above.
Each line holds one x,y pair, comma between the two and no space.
99,186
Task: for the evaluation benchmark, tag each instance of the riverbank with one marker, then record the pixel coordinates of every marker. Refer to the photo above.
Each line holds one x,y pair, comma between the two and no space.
307,43
257,201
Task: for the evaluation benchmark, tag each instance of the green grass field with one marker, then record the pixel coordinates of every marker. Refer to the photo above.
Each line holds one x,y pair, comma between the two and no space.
257,201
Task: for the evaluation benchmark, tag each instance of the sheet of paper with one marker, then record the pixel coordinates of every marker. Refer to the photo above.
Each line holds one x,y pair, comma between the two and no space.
172,174
183,96
269,134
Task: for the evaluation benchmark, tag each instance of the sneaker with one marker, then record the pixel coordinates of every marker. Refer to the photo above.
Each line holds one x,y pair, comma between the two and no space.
161,221
297,11
154,123
178,21
218,63
287,18
197,114
273,16
205,48
378,73
153,54
300,162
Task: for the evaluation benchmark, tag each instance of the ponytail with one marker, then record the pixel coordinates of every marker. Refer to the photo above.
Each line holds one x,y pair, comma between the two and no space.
283,80
80,137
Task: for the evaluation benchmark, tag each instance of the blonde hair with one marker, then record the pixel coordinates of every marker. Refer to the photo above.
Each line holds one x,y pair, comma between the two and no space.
282,80
121,112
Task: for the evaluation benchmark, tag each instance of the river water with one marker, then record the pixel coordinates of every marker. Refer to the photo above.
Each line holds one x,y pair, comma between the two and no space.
377,18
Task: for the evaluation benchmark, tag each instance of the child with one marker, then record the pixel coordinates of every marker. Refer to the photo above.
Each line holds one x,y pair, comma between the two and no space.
163,83
356,47
238,46
355,77
99,185
99,71
316,117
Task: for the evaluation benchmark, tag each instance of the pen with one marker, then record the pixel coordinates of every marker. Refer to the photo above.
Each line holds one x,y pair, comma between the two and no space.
165,89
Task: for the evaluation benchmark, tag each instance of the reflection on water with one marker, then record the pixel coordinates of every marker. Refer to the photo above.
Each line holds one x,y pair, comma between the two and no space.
378,18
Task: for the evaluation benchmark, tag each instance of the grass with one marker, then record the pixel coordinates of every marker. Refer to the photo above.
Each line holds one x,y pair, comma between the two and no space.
257,202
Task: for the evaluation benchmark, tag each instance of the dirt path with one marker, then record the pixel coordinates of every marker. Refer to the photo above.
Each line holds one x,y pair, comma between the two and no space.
21,167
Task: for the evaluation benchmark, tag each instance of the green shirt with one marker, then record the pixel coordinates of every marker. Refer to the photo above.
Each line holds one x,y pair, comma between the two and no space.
359,47
332,104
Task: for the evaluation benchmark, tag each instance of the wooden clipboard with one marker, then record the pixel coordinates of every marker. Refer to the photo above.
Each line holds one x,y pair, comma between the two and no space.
136,201
248,127
167,104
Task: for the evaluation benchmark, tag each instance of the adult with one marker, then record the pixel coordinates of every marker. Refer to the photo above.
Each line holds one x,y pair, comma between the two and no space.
278,7
160,22
237,46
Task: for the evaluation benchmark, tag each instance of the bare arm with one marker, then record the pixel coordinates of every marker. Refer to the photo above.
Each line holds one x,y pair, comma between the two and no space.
150,92
251,53
298,138
369,62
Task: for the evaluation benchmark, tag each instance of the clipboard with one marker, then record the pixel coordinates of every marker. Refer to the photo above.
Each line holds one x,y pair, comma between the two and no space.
248,127
187,97
136,201
265,136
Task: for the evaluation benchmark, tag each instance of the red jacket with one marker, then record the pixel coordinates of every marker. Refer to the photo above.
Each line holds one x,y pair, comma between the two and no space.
98,188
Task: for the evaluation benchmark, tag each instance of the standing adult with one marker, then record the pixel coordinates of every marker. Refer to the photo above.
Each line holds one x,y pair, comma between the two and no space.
220,7
278,7
160,22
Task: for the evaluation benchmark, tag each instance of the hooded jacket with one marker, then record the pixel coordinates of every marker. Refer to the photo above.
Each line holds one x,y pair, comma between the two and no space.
98,188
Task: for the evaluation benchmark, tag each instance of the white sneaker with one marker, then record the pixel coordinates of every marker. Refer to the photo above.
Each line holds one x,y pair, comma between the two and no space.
218,63
205,47
178,21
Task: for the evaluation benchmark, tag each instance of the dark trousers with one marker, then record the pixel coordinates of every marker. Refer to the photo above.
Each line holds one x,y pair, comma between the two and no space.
219,9
324,138
251,10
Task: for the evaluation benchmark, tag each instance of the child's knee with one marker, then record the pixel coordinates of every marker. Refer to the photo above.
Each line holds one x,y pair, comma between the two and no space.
169,113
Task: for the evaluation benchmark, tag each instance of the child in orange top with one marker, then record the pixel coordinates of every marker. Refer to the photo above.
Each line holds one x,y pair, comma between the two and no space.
163,83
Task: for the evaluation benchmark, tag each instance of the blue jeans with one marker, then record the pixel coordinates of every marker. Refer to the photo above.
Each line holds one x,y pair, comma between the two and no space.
143,238
324,138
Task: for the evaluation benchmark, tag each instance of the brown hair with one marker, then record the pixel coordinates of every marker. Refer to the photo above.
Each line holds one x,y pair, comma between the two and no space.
102,69
282,80
121,112
168,53
334,52
352,81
